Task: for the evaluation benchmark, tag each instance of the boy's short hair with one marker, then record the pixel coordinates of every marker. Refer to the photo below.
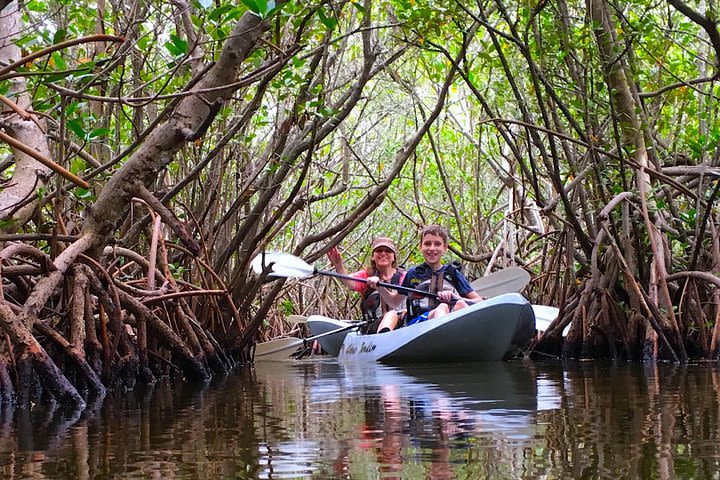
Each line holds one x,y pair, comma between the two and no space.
436,230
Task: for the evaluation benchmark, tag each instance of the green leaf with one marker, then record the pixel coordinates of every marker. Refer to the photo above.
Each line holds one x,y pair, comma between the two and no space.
176,46
258,7
83,194
143,42
219,34
171,48
180,44
59,61
35,6
329,22
42,106
287,307
5,224
56,77
60,35
77,165
177,270
99,132
359,6
76,125
219,12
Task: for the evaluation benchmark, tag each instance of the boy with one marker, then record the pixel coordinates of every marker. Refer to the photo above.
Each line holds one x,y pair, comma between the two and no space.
433,276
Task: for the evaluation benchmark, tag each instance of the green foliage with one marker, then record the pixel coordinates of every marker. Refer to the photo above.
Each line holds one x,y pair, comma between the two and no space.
262,8
60,35
428,18
83,194
287,307
7,224
525,63
177,270
328,20
176,46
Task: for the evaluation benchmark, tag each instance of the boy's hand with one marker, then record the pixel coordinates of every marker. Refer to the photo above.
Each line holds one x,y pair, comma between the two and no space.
445,296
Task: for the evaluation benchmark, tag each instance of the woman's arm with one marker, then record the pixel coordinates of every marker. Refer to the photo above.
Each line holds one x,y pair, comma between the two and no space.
336,261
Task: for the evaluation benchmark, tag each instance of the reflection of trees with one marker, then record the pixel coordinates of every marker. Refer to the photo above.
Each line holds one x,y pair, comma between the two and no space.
172,431
316,420
631,422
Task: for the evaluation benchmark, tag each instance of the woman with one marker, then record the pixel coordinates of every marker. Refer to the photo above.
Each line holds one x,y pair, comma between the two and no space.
376,304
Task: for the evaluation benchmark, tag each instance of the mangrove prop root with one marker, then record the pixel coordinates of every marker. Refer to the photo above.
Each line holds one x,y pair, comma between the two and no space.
76,326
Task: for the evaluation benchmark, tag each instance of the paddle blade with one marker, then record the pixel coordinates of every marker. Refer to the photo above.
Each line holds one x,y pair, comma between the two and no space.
508,280
278,349
297,319
545,315
284,265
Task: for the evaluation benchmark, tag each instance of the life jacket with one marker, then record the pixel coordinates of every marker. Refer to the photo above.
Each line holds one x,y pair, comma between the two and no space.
443,279
373,306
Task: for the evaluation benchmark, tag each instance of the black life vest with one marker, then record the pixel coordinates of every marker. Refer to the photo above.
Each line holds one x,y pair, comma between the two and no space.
373,306
443,279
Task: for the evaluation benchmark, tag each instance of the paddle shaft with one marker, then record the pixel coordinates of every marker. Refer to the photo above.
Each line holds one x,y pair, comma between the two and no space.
399,288
333,332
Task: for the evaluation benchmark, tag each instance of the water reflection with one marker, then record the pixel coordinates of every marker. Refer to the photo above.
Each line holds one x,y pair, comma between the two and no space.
424,420
322,419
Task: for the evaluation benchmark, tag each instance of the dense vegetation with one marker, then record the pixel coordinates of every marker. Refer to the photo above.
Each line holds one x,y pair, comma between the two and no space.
153,149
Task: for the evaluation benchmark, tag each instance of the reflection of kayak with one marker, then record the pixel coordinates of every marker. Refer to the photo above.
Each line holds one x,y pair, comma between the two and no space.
485,331
499,389
475,386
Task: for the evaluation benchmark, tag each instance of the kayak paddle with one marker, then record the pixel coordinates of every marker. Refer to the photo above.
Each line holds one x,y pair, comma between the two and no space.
298,319
280,348
544,316
507,280
512,279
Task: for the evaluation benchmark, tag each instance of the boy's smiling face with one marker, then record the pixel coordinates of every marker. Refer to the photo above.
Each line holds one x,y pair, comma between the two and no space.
433,248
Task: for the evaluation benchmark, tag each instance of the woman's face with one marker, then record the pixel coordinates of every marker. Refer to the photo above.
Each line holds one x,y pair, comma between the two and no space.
384,257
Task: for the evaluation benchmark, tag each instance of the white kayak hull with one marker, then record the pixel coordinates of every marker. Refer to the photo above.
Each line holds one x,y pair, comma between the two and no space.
481,332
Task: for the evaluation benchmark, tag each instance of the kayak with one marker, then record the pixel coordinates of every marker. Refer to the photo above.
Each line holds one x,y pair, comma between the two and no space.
485,331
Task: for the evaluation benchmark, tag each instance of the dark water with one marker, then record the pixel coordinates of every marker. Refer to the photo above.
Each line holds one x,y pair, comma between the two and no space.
321,419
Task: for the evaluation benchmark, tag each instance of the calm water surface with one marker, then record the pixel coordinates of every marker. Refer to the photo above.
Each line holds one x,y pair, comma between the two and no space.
322,419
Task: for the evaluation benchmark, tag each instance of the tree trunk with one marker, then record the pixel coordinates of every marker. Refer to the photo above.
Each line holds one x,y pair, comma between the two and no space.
18,199
626,109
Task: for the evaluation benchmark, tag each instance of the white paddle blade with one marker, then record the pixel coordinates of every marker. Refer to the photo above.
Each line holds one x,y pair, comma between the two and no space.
284,265
545,315
276,350
507,280
297,319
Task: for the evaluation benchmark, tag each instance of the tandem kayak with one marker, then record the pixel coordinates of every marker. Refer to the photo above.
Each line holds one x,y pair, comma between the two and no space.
486,331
